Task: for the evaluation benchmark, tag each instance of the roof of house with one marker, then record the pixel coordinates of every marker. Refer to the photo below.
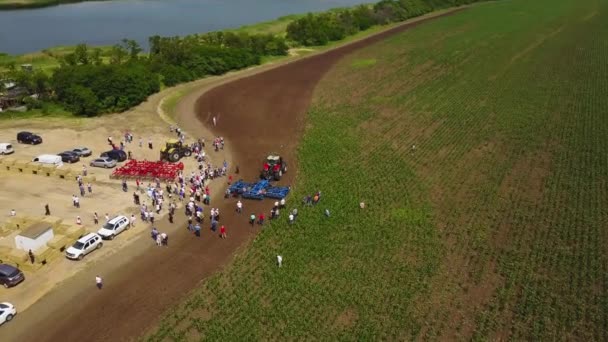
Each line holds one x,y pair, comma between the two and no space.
35,230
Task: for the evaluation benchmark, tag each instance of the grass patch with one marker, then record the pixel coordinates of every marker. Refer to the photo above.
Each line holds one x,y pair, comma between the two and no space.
478,142
362,63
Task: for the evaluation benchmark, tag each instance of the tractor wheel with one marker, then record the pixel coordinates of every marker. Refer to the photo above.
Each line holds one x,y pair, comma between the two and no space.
187,152
174,157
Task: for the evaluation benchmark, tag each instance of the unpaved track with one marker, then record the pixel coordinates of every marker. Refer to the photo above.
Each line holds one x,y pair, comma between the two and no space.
257,114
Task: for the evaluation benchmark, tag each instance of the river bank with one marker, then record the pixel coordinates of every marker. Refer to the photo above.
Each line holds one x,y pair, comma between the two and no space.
6,5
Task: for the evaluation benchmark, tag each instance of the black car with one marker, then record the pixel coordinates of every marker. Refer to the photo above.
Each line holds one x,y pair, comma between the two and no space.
29,138
10,276
69,157
117,155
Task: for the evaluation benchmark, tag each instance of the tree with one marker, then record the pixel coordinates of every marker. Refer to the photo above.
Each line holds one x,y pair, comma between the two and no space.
81,54
117,54
96,57
82,101
132,47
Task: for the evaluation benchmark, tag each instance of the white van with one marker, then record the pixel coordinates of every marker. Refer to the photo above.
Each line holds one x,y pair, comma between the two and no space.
6,148
51,159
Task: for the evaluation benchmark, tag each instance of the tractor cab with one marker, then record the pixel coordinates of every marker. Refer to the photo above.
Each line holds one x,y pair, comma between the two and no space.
174,150
274,167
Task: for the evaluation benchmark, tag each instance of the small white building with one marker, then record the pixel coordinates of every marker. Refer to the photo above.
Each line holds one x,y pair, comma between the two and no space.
34,237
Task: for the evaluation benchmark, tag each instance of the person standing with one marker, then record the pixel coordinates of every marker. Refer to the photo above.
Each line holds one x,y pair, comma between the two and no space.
78,220
291,218
282,203
170,217
47,211
77,201
95,218
154,233
197,230
239,207
90,188
223,232
107,217
84,170
151,216
279,260
164,239
81,187
261,222
31,255
132,221
150,143
98,282
252,219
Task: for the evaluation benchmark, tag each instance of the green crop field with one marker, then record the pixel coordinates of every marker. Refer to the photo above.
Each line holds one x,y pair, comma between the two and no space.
479,143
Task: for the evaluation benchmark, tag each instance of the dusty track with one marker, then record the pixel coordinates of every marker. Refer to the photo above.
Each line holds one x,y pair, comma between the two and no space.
257,114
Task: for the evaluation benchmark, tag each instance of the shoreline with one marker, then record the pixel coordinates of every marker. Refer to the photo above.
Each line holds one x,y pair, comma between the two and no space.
16,6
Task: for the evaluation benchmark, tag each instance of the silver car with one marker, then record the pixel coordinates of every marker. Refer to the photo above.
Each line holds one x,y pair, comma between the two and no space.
104,162
82,151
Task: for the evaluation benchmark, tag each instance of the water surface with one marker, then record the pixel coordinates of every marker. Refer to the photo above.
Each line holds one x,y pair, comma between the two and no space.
106,23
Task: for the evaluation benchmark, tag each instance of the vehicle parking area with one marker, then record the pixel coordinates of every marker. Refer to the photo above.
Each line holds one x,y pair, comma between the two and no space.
27,194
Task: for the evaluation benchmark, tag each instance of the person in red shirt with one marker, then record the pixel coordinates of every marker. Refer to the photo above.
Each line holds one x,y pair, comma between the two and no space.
261,219
229,179
223,232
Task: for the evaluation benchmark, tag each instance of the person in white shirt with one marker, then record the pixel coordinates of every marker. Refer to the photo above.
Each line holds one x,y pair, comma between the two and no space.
279,260
98,282
282,203
239,207
132,221
13,212
290,218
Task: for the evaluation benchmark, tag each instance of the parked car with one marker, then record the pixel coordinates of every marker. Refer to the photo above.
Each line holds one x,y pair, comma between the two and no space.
117,155
69,157
7,312
10,276
82,151
106,162
6,148
49,159
28,138
84,246
114,227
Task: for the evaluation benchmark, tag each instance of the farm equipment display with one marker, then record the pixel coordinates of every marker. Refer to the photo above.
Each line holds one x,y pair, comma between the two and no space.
174,150
274,167
259,190
148,170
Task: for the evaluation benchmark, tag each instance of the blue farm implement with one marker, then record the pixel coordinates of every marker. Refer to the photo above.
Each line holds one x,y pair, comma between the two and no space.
258,190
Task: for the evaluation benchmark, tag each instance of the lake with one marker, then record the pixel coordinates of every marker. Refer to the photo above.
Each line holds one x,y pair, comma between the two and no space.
106,23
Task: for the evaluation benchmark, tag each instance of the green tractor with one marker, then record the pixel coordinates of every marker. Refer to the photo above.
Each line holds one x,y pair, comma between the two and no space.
174,150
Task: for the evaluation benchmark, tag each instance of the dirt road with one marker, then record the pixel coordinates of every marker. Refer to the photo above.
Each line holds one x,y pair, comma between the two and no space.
256,114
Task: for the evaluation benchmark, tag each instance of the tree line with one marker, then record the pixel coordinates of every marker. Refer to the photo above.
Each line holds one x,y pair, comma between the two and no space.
91,81
321,28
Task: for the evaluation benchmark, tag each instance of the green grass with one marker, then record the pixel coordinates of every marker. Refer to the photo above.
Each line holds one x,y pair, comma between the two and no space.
276,26
46,60
492,227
